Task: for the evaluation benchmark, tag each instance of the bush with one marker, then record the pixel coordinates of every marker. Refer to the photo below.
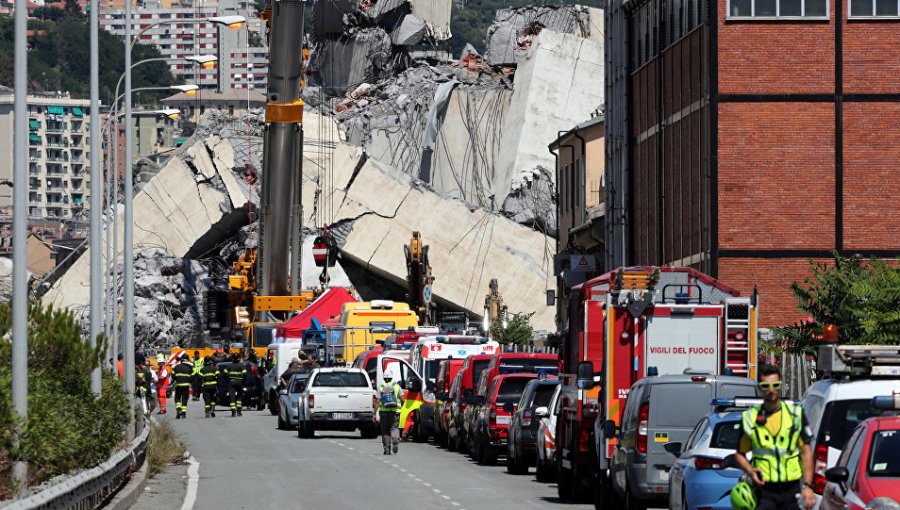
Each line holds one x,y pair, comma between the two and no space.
861,298
67,428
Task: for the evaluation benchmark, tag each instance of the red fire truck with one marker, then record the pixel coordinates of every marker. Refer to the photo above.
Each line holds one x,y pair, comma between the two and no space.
622,325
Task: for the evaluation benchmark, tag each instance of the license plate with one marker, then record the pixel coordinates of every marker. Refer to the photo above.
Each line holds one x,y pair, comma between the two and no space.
341,416
664,476
502,420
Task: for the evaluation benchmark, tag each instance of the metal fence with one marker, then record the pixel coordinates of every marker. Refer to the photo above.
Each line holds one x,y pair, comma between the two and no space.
797,372
91,488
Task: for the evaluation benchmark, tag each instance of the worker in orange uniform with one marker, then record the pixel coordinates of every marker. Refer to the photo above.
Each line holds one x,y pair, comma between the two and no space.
162,383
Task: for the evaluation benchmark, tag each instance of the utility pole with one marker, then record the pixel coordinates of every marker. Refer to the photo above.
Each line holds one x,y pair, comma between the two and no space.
97,316
20,235
128,249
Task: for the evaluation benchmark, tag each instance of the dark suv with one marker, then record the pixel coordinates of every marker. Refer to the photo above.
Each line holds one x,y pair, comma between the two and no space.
532,407
495,409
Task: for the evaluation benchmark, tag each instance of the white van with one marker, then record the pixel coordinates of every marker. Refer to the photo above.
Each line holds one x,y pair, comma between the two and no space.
280,355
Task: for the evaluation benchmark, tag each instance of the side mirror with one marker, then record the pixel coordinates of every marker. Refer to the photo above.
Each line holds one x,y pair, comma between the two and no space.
731,461
585,375
838,475
609,429
542,412
508,407
674,448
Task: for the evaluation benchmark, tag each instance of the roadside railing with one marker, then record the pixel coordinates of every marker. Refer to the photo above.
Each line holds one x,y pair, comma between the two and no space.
91,488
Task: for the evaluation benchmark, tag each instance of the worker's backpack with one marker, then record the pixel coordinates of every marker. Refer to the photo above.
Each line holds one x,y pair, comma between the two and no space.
389,396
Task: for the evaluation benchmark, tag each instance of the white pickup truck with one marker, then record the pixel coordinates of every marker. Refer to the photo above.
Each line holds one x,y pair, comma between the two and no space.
337,399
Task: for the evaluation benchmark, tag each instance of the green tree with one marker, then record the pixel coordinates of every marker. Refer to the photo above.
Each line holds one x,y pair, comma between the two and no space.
517,330
861,298
67,427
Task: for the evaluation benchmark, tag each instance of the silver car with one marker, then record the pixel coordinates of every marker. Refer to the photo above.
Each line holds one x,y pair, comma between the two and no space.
289,401
546,441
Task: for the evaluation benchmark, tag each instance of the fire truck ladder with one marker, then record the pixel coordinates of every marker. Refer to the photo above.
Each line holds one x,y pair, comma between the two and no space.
737,336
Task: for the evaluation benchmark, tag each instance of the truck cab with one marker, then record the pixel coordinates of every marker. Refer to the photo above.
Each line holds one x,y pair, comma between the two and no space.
363,324
279,356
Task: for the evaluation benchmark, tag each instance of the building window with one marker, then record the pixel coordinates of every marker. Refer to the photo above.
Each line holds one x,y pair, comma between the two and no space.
874,9
775,9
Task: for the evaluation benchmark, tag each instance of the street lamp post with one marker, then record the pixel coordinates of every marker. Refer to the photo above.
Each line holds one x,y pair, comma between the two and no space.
234,22
96,204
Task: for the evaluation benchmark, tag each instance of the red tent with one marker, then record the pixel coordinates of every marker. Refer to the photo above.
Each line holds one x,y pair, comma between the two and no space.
329,304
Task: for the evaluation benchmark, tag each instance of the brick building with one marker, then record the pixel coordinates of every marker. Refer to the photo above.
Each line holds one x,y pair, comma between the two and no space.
745,136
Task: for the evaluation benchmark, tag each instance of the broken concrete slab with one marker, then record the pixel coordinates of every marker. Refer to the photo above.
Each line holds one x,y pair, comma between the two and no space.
436,16
514,29
381,206
558,82
410,31
341,62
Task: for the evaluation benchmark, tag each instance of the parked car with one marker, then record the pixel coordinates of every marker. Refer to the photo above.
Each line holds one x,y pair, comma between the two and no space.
660,410
489,429
523,426
254,395
289,400
460,410
449,408
867,473
337,399
834,408
447,371
699,477
545,451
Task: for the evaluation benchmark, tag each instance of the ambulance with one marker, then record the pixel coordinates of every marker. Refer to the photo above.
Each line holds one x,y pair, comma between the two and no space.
425,357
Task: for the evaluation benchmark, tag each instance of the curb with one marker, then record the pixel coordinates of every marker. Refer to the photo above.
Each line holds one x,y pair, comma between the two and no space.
129,494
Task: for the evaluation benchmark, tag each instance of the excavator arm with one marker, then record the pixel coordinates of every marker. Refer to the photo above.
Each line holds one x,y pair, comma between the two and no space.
419,280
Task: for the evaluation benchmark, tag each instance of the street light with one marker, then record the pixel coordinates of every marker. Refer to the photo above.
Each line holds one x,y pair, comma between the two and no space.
233,22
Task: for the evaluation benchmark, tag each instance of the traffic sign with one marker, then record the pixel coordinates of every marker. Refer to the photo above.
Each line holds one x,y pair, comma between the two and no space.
583,263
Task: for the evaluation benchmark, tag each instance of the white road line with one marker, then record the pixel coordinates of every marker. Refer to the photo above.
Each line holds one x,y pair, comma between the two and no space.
394,465
426,484
445,496
410,475
350,448
454,503
418,479
436,491
193,479
402,470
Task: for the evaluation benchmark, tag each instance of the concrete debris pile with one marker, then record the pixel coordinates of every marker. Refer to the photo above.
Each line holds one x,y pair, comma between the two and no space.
168,300
357,41
478,129
514,30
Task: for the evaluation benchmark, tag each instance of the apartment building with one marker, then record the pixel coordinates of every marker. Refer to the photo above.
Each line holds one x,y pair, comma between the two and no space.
747,136
176,39
247,68
58,155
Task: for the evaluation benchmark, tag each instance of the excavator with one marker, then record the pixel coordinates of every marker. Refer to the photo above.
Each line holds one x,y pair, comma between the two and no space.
264,287
419,280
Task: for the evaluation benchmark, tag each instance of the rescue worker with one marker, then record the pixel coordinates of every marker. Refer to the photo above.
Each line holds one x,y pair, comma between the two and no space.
197,380
389,406
162,383
778,435
210,375
236,372
183,373
294,368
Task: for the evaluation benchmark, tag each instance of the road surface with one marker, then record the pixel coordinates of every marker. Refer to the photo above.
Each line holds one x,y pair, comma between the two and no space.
247,463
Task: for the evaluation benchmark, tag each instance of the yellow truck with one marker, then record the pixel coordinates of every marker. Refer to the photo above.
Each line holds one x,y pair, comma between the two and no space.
363,324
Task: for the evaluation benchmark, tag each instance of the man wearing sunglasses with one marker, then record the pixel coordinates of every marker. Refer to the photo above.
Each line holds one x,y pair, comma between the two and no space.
778,435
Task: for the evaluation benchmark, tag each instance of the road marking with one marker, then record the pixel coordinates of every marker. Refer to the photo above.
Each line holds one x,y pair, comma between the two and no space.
426,484
436,491
445,496
402,470
410,475
350,448
455,503
418,479
193,479
394,465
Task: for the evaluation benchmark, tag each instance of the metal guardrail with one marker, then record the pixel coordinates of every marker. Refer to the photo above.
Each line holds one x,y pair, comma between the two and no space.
91,488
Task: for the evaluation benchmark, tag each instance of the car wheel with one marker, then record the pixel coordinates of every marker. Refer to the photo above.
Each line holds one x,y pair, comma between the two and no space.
488,456
604,494
281,424
544,471
418,435
565,488
369,431
273,403
631,502
684,501
260,403
306,430
451,443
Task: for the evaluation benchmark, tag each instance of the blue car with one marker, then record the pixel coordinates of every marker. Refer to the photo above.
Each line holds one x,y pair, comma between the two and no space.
699,478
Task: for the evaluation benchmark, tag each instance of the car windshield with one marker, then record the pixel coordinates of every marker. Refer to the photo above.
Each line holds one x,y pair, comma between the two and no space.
299,384
351,379
511,390
841,417
726,435
884,459
542,395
